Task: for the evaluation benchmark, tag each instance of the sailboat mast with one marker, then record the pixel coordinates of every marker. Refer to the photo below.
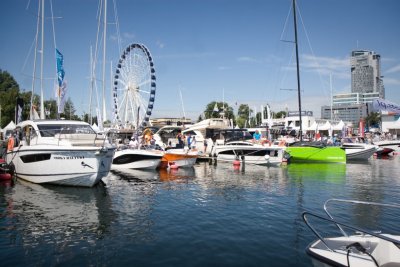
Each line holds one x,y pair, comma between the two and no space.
104,59
298,69
41,67
183,108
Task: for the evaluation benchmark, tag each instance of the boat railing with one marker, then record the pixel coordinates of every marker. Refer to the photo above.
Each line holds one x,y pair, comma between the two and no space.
341,225
369,203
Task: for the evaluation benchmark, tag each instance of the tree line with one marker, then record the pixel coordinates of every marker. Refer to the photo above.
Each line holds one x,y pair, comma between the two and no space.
10,91
245,116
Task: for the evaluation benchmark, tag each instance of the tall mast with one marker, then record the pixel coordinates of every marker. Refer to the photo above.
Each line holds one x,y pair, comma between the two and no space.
34,65
91,86
183,107
330,83
298,69
41,67
104,59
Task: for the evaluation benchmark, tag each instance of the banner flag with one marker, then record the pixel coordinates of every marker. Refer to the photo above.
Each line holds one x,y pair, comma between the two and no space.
18,110
62,92
382,105
60,68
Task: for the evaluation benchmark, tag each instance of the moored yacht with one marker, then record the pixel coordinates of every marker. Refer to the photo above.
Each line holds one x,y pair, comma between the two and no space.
238,144
137,159
59,152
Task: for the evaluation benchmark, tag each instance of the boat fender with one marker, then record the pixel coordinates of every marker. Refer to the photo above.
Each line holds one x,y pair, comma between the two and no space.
236,162
173,165
10,144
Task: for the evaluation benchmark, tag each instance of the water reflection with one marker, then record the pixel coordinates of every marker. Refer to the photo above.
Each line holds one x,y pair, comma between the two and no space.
328,172
176,174
40,220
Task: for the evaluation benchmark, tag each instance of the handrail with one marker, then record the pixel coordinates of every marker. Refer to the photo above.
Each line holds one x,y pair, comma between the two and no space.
354,202
305,213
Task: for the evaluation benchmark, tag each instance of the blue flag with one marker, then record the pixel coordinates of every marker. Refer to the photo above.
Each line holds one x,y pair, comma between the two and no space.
60,68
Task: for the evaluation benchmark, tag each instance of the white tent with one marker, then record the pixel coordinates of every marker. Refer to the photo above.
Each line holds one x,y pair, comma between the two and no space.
9,128
313,127
325,127
339,126
95,127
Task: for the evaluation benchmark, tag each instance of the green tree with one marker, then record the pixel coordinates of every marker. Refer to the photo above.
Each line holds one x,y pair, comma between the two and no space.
51,109
244,112
69,110
280,114
373,119
223,108
9,90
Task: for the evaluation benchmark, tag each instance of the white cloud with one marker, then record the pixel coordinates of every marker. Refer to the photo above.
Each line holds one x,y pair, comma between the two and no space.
339,67
393,69
160,44
246,59
391,81
224,68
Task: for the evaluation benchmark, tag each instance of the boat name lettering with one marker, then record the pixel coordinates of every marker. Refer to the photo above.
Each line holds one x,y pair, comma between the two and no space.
69,157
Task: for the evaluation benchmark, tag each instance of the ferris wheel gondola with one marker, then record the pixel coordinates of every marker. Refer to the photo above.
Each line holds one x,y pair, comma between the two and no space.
134,88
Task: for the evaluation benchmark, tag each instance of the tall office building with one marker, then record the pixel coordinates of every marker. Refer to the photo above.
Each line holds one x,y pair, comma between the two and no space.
366,73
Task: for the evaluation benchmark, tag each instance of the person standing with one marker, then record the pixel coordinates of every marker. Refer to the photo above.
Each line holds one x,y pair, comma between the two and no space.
257,136
180,139
189,140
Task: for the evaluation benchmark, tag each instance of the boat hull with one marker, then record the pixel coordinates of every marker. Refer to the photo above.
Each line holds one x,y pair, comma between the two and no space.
329,154
179,158
391,144
74,166
136,159
359,151
251,154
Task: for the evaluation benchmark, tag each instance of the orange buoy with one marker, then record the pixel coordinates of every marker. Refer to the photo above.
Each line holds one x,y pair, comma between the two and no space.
236,162
172,165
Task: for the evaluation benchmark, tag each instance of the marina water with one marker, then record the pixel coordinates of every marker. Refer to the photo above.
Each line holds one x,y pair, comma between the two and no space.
209,215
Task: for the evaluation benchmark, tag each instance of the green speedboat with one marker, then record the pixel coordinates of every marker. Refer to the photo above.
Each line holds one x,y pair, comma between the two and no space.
315,152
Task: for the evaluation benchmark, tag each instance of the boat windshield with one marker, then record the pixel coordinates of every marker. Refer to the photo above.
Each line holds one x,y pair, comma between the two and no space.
50,130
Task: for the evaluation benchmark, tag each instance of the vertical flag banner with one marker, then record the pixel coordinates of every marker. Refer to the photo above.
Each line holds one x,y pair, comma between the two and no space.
62,86
18,110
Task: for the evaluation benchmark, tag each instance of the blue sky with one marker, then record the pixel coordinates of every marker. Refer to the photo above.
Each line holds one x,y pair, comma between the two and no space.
211,50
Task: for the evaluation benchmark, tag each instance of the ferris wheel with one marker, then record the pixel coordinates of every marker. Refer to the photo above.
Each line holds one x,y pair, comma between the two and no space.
134,87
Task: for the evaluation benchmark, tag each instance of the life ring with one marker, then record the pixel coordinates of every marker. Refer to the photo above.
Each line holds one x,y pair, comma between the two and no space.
10,144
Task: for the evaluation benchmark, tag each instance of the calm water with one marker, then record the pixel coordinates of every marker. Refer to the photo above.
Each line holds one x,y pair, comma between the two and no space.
205,216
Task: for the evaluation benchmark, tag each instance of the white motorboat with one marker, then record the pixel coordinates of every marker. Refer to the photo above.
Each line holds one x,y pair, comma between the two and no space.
389,144
206,133
363,248
238,144
137,159
250,153
359,151
59,152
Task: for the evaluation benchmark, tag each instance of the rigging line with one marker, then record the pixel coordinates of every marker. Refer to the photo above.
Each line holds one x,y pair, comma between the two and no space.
117,27
312,51
96,49
52,24
34,60
286,22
